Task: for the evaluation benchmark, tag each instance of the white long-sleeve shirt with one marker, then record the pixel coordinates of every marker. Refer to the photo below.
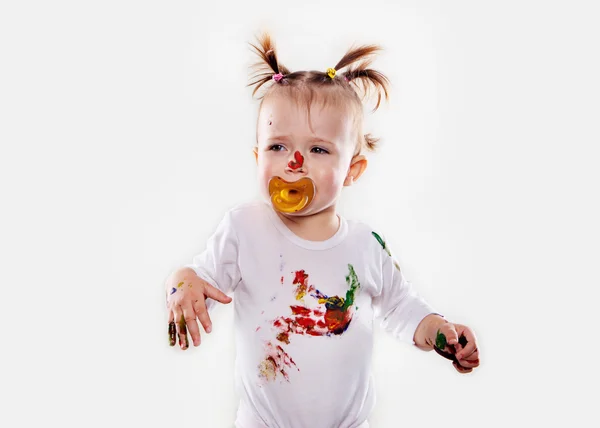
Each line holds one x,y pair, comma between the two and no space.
304,314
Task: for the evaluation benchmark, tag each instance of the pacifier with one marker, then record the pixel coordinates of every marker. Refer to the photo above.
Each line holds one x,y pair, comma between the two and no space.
291,197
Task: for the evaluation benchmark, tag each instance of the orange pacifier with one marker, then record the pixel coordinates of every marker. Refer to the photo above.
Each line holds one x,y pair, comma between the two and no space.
291,197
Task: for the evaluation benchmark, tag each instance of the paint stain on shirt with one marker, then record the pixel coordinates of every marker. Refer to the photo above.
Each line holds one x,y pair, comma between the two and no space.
332,318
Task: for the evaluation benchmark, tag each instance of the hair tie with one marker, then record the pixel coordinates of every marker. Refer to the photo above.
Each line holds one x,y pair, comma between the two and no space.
331,72
277,77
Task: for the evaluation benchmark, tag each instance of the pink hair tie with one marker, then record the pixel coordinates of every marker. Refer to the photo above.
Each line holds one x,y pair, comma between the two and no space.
277,77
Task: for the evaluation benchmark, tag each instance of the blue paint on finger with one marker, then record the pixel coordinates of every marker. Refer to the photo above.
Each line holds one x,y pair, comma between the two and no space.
173,290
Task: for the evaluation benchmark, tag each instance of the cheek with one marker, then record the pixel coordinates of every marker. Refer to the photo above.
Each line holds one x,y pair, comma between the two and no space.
267,164
330,179
266,169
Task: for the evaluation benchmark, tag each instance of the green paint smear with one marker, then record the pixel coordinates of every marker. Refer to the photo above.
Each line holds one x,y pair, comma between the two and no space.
385,247
382,243
440,340
352,281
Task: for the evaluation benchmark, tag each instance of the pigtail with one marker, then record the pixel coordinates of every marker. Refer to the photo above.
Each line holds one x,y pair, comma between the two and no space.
268,65
363,77
366,79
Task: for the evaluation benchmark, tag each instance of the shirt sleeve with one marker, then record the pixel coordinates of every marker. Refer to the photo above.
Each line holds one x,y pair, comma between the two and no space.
218,263
398,307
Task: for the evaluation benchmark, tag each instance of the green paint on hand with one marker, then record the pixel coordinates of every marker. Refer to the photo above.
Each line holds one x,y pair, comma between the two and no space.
180,284
440,340
441,343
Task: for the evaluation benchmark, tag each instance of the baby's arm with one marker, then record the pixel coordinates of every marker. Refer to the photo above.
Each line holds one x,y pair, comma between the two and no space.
193,289
398,306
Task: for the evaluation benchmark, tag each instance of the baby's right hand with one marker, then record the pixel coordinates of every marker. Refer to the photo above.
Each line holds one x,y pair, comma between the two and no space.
186,301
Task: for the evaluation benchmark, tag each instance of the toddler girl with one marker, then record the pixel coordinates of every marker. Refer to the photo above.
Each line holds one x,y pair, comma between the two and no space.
308,283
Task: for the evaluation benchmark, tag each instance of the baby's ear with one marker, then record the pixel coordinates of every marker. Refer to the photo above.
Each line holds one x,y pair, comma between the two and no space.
357,167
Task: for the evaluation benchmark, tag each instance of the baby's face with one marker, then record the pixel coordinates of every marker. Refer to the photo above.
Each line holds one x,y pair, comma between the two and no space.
325,154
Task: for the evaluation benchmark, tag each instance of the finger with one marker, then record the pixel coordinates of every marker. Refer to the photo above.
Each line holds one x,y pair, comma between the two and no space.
202,314
451,335
472,356
190,320
470,347
216,294
183,338
180,324
461,369
469,363
172,333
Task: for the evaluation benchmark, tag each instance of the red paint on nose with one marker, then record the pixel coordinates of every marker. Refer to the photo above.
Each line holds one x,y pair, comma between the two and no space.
297,162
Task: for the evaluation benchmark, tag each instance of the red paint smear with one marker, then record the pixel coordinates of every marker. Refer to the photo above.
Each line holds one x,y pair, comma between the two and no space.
299,161
306,322
300,310
300,277
282,279
322,321
336,320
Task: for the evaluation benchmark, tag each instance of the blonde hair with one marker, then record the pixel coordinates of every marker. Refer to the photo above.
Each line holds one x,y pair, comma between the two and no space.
339,90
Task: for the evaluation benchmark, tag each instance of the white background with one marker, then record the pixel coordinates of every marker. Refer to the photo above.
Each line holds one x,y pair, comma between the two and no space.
126,132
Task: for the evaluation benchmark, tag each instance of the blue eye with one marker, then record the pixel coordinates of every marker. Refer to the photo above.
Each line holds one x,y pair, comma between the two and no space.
276,147
319,150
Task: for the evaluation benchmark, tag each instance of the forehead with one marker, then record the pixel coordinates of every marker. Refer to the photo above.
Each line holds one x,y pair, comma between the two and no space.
280,115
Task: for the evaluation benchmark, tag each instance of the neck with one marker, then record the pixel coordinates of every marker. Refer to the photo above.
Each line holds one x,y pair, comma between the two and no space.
315,227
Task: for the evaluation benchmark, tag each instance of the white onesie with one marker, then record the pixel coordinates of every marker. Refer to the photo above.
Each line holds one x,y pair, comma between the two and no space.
304,314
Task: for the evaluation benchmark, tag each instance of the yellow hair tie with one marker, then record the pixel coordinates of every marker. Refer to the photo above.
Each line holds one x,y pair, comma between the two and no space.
331,72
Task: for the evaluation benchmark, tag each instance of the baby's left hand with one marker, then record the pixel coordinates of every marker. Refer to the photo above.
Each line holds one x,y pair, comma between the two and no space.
466,358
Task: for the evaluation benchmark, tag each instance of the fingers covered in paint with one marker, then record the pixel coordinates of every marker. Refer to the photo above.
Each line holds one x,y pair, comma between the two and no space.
182,333
186,299
471,347
458,343
467,356
449,332
172,329
179,327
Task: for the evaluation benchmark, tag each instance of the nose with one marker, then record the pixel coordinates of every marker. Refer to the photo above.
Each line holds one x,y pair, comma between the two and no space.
297,163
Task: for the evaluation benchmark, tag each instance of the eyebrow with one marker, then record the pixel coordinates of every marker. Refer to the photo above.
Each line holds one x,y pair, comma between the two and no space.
312,140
